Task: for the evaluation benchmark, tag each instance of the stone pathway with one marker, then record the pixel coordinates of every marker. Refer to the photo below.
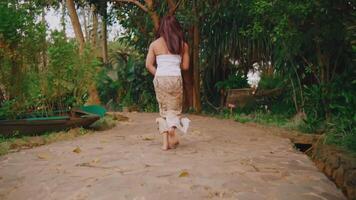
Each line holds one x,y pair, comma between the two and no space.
218,159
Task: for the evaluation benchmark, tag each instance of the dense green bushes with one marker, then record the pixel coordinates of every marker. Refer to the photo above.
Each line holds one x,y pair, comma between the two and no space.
234,81
311,49
62,84
39,76
342,120
126,82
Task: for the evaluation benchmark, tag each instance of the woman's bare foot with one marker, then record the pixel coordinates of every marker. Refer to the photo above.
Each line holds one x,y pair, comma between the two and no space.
165,145
172,138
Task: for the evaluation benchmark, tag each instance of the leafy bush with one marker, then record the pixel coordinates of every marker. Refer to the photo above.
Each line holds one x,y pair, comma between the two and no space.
127,83
312,125
342,123
242,118
234,81
105,123
280,103
5,109
268,82
63,84
69,75
22,39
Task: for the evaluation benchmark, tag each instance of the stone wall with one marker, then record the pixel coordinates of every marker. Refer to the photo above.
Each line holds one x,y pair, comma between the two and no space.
339,166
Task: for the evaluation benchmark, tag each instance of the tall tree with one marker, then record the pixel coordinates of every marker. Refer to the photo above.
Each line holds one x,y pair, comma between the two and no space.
93,93
100,7
76,24
44,55
191,83
84,15
94,31
104,39
196,60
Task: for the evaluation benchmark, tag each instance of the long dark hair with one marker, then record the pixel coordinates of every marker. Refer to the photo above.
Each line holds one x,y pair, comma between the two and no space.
172,33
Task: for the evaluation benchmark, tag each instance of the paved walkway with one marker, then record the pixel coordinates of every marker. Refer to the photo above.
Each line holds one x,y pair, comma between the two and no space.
218,159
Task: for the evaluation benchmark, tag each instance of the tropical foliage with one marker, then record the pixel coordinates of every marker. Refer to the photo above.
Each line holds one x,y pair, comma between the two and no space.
38,74
304,48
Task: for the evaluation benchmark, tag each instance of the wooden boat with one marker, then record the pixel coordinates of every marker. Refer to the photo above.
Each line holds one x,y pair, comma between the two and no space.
241,97
238,97
35,125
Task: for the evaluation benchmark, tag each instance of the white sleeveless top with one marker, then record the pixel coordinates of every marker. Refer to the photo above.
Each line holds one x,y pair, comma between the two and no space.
168,65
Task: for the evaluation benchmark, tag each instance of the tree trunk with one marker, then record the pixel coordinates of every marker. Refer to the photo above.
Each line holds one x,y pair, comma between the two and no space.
15,78
44,50
153,14
94,32
187,89
196,69
2,96
188,82
85,23
104,36
324,80
155,19
93,93
76,24
171,5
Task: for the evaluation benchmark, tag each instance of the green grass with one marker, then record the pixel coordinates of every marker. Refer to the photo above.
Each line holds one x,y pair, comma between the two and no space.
17,143
340,138
105,123
345,140
266,119
242,118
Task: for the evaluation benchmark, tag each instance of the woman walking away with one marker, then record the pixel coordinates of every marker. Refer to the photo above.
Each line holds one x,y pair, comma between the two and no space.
171,54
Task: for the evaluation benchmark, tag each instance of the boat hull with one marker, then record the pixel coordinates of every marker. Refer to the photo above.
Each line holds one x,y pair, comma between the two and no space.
30,127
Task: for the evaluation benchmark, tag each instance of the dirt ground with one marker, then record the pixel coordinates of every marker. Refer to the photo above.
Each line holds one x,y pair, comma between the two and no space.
217,159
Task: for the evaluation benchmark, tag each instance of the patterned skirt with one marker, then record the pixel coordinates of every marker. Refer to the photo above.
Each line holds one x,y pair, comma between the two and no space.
169,94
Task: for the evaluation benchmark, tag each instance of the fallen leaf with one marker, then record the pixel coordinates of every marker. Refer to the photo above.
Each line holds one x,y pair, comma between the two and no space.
43,156
217,194
183,174
77,150
83,165
121,137
196,132
148,139
95,160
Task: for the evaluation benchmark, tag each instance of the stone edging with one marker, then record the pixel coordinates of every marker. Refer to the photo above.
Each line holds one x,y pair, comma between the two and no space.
338,165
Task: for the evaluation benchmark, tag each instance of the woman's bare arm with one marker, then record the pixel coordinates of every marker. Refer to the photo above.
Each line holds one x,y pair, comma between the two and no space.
185,58
150,60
